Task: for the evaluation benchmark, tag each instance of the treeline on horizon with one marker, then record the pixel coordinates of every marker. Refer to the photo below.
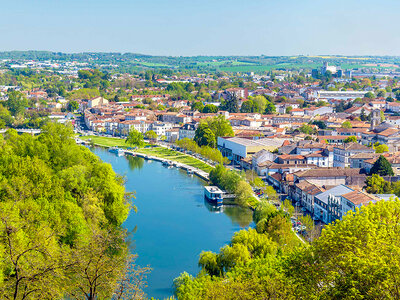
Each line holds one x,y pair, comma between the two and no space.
130,62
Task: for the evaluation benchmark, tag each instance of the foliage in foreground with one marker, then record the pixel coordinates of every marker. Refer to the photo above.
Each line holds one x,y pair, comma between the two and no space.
356,258
60,214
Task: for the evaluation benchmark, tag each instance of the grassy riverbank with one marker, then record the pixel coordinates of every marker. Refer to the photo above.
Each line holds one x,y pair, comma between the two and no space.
161,152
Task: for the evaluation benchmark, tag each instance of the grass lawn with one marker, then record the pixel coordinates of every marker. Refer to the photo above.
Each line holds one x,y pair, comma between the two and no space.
176,156
156,151
105,141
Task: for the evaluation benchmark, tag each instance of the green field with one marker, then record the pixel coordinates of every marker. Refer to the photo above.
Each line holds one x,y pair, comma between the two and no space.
223,62
155,65
154,151
105,141
176,156
266,68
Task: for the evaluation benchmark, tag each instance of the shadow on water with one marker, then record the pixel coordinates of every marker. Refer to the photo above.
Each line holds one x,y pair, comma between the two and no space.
242,216
134,162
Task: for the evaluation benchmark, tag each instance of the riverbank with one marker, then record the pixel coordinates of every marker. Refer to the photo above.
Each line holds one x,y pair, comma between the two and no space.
162,154
174,222
203,175
157,152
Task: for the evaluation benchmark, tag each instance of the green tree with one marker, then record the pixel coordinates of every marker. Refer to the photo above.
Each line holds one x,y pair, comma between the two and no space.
204,136
320,124
259,103
377,185
369,95
151,135
307,129
230,104
363,115
381,93
346,124
270,108
210,109
381,148
382,167
135,138
247,107
350,139
197,106
341,264
73,105
16,103
219,126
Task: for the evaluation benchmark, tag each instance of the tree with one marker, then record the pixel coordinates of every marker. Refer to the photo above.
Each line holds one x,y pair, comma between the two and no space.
382,167
288,207
381,93
16,103
219,126
247,107
381,148
377,185
60,205
310,228
73,105
270,108
259,103
243,191
350,139
288,109
363,116
341,264
135,138
230,104
151,135
369,95
210,109
346,124
204,136
320,124
197,106
306,129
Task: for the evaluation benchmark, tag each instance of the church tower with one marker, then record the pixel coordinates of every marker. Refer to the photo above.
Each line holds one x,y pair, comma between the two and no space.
375,118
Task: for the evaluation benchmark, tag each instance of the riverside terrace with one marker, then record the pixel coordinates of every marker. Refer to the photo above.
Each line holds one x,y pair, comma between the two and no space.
236,149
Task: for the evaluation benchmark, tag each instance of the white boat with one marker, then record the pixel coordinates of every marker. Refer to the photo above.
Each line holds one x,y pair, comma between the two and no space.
117,151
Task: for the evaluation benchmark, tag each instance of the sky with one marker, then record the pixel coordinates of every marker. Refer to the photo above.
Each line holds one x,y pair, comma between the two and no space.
202,27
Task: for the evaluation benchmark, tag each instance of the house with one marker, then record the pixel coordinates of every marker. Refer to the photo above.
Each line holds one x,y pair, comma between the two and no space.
322,201
377,104
235,148
331,176
172,135
321,158
97,101
339,205
342,153
314,111
187,131
261,157
305,193
393,107
292,159
357,160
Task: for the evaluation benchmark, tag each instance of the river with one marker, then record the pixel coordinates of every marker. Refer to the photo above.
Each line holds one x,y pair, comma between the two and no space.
173,223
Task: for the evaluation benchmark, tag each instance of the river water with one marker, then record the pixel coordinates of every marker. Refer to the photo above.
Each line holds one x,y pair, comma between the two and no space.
173,223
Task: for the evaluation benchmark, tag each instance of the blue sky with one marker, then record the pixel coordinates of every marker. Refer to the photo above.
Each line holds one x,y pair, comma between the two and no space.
194,27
